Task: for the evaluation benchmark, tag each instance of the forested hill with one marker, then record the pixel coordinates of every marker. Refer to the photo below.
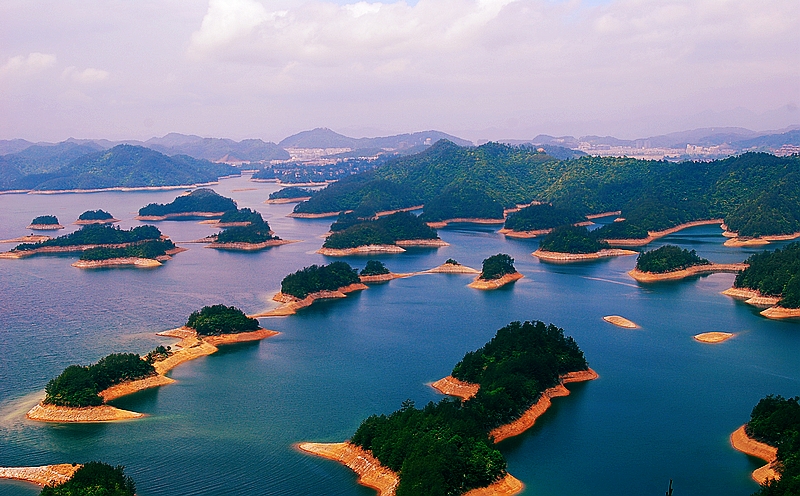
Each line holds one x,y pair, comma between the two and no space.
756,193
122,166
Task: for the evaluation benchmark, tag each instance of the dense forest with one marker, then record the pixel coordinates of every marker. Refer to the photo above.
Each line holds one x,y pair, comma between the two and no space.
316,278
220,319
290,193
95,215
756,193
97,234
668,258
776,421
542,216
775,273
444,448
242,215
620,230
78,386
94,479
495,266
374,268
148,249
47,220
199,200
84,167
572,239
382,231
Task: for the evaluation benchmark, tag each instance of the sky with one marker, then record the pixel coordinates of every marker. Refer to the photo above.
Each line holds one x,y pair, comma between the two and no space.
478,69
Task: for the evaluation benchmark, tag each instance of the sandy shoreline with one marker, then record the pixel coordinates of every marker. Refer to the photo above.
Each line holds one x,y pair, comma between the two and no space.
323,215
45,227
178,215
695,270
251,246
30,238
292,304
96,221
281,201
556,257
360,250
61,249
737,241
620,322
713,337
524,234
489,284
465,220
452,269
116,188
385,277
45,475
64,414
777,312
653,235
769,303
421,243
749,446
141,263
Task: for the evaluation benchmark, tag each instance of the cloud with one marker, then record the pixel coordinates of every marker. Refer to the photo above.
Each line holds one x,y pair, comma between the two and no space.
227,20
88,75
32,64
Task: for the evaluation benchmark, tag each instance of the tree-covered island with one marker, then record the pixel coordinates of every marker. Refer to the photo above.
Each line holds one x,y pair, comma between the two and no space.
290,195
775,273
202,202
668,258
497,271
45,222
95,217
219,319
349,232
445,448
240,217
541,217
94,479
153,249
374,268
317,278
90,236
572,239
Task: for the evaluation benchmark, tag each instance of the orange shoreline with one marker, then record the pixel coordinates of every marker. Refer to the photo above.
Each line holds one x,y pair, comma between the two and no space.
489,284
291,304
769,303
740,441
557,257
695,270
464,220
251,246
46,475
653,235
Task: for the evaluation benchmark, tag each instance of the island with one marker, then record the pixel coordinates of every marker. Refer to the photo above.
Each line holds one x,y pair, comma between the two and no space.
90,236
772,279
623,233
45,223
95,217
620,321
250,233
713,337
389,234
773,434
374,271
539,219
567,244
316,282
202,202
147,254
72,479
237,218
80,393
448,447
451,266
497,271
671,263
461,203
289,195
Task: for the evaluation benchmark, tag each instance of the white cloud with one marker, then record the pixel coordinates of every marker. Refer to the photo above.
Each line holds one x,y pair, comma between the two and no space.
34,63
88,75
227,20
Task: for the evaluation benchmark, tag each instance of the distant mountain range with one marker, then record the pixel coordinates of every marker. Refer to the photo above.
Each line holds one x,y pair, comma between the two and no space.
325,138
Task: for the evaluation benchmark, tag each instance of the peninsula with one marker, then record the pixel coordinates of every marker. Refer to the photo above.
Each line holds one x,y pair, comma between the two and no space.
45,223
671,263
289,195
626,233
95,217
202,202
447,447
316,282
95,478
567,244
246,231
147,254
374,271
90,236
498,270
772,279
80,393
538,220
351,235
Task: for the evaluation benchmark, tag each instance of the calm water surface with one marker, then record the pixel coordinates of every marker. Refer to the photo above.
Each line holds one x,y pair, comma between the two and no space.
662,409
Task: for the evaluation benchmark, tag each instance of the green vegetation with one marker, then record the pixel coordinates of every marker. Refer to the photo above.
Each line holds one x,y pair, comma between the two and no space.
496,266
94,479
383,231
254,233
451,261
78,386
536,217
756,193
316,278
242,215
291,193
444,448
668,258
199,200
374,268
774,273
572,239
97,234
220,319
95,215
46,220
159,354
152,249
620,230
776,421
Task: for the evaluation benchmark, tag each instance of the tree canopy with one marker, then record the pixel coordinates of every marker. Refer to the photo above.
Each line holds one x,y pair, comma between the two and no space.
316,278
668,258
291,193
382,231
152,249
775,420
97,234
199,200
220,319
94,479
572,239
775,273
496,266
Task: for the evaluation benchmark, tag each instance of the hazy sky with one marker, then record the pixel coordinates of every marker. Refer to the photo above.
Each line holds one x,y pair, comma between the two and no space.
480,69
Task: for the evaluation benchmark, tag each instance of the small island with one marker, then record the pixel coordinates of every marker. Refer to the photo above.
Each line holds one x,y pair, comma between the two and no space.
202,202
92,478
80,393
772,434
671,263
251,234
237,218
620,321
289,195
713,337
148,254
390,234
90,236
45,223
451,266
537,220
498,270
316,282
567,244
95,217
374,271
448,447
772,279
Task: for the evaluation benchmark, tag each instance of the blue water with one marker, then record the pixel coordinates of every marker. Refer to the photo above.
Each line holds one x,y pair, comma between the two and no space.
662,409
